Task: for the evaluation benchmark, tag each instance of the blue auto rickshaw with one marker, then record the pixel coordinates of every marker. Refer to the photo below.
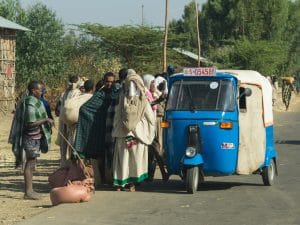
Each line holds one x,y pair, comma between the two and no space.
219,123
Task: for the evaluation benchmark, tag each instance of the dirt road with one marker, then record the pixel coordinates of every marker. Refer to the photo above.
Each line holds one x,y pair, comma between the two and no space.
13,207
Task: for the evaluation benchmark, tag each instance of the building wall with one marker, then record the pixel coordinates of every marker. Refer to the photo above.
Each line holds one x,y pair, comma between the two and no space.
7,70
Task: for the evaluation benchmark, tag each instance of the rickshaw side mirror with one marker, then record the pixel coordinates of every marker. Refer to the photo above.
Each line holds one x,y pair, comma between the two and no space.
246,92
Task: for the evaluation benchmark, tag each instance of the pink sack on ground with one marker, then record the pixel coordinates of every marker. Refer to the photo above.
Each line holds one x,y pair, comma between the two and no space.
74,171
70,194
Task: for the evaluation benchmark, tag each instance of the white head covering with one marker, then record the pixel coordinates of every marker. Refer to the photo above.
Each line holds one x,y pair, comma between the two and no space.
81,83
130,72
159,80
134,85
148,78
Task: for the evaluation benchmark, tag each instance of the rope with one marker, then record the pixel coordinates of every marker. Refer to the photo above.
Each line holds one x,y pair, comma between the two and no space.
73,149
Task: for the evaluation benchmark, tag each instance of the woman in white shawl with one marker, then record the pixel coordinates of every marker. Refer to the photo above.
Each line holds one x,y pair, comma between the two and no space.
72,91
134,130
155,98
149,82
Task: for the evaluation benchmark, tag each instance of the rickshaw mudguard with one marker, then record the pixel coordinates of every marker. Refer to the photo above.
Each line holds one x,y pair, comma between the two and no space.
271,153
192,161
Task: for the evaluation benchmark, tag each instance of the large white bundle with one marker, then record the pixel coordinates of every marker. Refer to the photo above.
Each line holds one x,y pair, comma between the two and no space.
70,111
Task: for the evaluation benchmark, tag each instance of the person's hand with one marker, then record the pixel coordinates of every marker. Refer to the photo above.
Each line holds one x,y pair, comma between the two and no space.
57,112
162,97
51,122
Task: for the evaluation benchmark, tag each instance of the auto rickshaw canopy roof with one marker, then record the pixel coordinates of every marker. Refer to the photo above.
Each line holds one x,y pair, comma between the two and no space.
251,77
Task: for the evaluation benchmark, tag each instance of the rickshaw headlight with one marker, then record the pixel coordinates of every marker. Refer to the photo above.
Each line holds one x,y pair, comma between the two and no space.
190,152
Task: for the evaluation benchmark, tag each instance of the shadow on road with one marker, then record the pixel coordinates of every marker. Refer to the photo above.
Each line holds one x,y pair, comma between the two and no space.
217,185
12,180
157,185
289,142
178,186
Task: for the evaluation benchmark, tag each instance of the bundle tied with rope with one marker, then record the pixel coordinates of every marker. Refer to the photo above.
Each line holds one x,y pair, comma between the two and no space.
133,102
72,183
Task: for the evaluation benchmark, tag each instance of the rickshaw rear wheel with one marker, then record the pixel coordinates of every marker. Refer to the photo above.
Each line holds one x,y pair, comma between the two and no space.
192,179
268,174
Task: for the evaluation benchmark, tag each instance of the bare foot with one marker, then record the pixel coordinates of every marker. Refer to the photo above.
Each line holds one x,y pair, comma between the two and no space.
32,196
132,188
119,188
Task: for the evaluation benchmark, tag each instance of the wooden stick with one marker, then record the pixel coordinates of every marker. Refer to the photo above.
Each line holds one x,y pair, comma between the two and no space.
73,149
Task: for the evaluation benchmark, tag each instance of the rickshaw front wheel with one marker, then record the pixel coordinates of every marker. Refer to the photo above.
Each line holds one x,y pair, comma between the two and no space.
192,179
268,174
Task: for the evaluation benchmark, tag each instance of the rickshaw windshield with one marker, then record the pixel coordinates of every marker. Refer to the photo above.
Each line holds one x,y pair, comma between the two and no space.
202,95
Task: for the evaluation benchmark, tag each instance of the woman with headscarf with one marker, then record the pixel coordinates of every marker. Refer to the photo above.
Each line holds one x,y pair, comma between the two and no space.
161,91
64,129
149,82
134,130
155,149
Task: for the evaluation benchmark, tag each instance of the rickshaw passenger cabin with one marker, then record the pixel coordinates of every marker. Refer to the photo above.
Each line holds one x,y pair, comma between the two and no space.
234,130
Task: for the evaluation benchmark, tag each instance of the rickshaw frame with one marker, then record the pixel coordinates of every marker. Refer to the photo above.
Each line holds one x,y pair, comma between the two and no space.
214,161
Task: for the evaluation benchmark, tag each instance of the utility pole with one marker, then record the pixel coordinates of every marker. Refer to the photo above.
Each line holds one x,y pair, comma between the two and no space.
198,33
165,39
142,15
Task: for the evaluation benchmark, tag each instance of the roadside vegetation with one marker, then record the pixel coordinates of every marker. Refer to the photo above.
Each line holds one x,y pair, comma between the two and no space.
257,35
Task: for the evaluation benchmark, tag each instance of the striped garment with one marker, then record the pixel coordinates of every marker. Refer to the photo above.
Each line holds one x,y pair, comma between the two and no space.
110,121
16,130
109,140
33,132
35,111
91,133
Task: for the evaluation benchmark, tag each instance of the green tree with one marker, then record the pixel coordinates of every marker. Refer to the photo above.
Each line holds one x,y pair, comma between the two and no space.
184,31
292,35
254,55
189,24
275,17
256,34
249,20
263,56
230,19
40,52
138,47
11,10
86,57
